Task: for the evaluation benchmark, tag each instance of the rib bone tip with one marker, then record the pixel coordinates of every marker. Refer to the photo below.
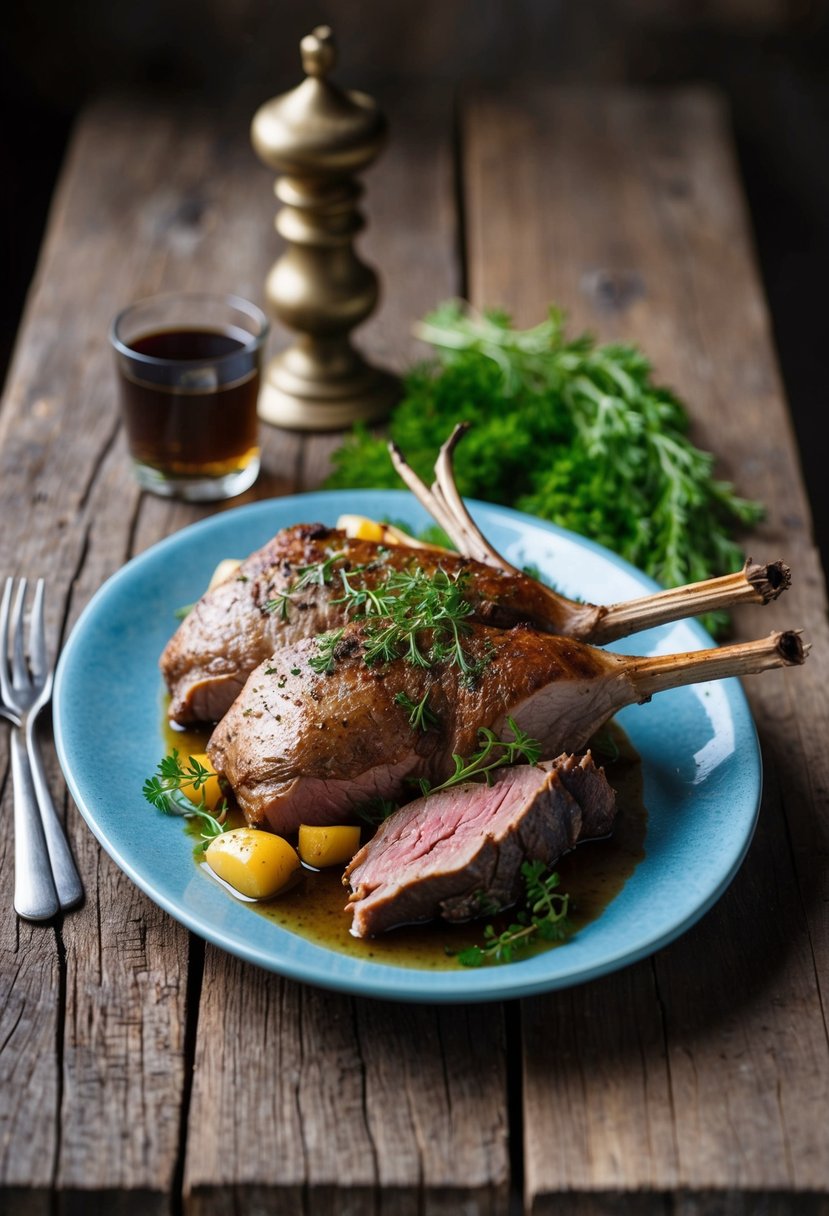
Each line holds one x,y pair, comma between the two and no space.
770,580
458,432
790,646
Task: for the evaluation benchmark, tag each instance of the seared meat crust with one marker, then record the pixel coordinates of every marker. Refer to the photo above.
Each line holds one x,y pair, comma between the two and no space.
230,630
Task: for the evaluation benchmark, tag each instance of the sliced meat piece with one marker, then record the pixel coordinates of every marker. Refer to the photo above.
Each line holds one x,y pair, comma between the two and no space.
458,854
230,631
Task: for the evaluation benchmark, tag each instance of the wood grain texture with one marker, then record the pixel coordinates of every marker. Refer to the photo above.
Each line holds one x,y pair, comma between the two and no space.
347,1105
29,1024
107,995
704,1069
342,1105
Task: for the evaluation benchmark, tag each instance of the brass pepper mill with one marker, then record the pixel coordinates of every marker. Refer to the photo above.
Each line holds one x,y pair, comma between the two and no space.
318,137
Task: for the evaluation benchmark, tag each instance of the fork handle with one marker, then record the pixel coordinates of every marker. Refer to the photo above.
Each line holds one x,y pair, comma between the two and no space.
35,897
65,875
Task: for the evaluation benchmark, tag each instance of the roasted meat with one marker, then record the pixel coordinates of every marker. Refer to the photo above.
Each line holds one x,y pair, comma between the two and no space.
459,853
235,626
301,745
231,629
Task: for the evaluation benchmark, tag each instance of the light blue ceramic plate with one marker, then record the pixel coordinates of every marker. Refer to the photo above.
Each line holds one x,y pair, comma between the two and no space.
698,745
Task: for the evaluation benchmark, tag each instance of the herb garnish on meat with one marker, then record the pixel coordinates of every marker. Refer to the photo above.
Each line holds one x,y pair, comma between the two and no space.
324,660
317,574
415,603
410,615
493,753
421,717
406,601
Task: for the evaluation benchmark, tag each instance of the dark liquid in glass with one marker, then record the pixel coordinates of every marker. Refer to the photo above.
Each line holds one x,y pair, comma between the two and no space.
203,424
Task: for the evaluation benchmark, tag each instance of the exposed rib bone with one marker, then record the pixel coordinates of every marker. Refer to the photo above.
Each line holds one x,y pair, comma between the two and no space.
447,489
566,708
754,584
445,505
658,672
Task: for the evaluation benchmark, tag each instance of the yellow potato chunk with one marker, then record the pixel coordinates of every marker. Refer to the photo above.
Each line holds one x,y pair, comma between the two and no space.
323,847
258,864
224,571
361,528
210,792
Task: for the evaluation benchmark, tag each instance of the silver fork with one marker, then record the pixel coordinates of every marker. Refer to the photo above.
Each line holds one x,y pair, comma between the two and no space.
45,875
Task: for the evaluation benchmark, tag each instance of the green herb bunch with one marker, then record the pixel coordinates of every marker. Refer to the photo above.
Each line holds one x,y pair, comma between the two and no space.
568,430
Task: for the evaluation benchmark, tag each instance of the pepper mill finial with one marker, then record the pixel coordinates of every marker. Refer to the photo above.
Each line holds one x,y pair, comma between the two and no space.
319,51
318,137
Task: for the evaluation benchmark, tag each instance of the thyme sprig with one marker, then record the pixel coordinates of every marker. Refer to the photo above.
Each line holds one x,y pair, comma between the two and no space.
411,615
401,606
493,753
165,791
543,918
417,604
421,717
317,574
324,661
363,599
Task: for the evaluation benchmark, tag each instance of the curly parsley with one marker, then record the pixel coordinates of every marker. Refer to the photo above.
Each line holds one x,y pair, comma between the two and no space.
164,790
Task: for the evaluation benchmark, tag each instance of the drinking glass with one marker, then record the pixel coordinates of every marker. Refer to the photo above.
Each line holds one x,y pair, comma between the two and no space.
188,369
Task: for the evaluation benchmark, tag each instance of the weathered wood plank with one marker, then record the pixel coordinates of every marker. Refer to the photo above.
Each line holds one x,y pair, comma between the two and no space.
29,1079
127,963
56,428
707,1068
96,1018
351,1106
346,1105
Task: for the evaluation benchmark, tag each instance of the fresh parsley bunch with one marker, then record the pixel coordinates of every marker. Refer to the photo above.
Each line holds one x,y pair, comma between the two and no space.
565,429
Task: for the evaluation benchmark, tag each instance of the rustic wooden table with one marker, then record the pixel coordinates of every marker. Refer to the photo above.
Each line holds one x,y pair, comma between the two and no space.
143,1071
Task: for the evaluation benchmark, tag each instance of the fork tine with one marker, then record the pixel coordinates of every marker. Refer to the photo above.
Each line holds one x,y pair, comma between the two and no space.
5,685
37,635
20,673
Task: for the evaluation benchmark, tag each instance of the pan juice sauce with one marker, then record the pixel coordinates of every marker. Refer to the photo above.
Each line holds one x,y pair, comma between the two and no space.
592,875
